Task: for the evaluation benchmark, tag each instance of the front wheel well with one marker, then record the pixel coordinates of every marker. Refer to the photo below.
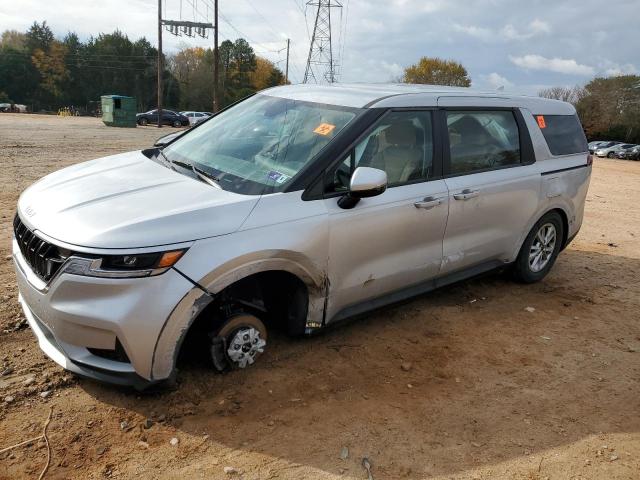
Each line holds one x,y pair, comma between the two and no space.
278,298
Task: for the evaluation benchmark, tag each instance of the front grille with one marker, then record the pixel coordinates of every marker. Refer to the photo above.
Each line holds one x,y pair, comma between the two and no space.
43,257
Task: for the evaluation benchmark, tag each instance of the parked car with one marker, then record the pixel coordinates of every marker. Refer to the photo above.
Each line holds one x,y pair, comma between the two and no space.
292,214
594,145
196,117
610,151
169,117
631,153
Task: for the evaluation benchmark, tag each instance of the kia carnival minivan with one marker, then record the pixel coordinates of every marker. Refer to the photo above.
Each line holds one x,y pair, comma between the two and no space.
296,208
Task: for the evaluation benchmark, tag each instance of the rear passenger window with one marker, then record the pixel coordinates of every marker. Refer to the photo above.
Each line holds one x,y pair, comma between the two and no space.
482,140
563,133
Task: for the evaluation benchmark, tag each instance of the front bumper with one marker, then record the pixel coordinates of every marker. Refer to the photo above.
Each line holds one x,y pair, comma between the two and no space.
49,345
75,316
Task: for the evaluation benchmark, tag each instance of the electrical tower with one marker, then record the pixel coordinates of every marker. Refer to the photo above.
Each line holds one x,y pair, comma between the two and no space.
321,51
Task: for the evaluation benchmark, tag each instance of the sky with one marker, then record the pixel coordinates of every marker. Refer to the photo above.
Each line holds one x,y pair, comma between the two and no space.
521,45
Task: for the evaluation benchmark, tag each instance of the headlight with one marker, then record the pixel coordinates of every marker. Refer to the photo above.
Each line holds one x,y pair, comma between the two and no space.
123,266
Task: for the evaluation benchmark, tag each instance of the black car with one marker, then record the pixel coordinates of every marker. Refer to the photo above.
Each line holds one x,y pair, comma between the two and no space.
169,117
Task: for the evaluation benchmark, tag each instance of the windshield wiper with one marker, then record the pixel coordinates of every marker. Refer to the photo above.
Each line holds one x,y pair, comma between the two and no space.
207,177
201,174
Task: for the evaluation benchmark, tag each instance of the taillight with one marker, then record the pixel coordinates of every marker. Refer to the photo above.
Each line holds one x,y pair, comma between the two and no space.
589,160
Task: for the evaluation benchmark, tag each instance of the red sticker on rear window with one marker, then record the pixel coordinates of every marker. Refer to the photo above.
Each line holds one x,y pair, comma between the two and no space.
541,123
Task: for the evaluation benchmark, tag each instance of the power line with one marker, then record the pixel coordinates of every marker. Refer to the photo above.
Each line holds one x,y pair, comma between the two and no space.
263,18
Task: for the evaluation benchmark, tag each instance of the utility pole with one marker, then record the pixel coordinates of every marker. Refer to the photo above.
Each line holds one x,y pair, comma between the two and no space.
321,49
286,69
159,63
190,29
216,61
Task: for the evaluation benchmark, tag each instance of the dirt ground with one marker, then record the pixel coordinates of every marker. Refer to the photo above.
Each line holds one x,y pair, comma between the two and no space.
489,389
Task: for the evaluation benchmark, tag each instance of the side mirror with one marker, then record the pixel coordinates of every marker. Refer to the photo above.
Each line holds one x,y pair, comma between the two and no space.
365,182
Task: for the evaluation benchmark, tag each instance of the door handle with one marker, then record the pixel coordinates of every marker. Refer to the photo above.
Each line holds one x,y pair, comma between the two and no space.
466,194
428,203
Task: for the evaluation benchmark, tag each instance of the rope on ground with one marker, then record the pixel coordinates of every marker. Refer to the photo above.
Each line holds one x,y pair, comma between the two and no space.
35,439
46,439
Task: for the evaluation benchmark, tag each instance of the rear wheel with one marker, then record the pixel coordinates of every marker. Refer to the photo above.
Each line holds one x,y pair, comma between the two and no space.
239,343
540,249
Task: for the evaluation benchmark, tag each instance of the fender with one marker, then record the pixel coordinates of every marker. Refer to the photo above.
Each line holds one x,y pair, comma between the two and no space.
557,205
193,303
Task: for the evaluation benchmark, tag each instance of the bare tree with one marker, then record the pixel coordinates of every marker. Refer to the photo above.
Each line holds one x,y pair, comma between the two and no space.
566,94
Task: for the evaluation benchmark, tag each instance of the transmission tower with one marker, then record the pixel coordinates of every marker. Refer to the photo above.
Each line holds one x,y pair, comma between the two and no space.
321,51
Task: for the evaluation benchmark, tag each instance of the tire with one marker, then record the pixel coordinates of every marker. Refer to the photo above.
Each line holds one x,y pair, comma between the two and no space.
526,268
144,122
177,123
611,155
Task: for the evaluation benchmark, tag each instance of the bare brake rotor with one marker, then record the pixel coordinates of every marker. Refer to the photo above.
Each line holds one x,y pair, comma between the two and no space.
239,342
244,346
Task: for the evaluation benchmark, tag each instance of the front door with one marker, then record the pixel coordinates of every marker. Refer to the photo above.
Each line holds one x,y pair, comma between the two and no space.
393,241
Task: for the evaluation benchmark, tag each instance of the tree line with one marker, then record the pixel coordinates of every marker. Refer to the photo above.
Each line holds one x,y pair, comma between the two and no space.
609,108
46,73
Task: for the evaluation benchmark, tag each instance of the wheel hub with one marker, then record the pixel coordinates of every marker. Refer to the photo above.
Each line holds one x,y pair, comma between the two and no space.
244,346
542,247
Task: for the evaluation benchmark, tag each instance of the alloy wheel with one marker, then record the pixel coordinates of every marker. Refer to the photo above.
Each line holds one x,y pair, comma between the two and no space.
542,247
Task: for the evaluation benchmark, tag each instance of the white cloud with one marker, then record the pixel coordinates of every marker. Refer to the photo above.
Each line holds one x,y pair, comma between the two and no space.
473,31
536,27
539,26
425,6
495,81
560,65
614,70
394,70
508,32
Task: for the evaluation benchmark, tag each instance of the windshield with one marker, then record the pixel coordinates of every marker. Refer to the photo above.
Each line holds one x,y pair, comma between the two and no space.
259,145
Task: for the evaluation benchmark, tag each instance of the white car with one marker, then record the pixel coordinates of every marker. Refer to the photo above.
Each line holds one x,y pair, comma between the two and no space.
196,117
295,209
610,151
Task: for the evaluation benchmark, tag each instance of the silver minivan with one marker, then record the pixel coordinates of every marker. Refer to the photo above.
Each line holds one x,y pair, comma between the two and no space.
294,209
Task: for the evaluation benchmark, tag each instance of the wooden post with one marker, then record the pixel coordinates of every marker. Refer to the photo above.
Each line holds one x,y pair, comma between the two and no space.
216,60
286,70
159,63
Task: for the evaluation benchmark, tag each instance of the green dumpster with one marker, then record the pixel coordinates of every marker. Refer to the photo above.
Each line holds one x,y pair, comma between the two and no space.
118,111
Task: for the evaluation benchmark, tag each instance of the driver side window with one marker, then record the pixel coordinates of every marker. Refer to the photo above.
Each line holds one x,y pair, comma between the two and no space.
401,144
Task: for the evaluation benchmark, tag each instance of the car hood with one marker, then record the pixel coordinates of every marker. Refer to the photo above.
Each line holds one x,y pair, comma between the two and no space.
129,201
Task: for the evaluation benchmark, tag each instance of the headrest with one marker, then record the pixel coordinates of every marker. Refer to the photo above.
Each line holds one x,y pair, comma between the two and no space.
401,133
470,129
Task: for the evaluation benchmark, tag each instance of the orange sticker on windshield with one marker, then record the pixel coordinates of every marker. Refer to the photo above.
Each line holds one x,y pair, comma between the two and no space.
324,129
541,122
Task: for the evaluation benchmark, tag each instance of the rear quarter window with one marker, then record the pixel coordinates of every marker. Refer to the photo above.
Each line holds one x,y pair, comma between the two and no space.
563,133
